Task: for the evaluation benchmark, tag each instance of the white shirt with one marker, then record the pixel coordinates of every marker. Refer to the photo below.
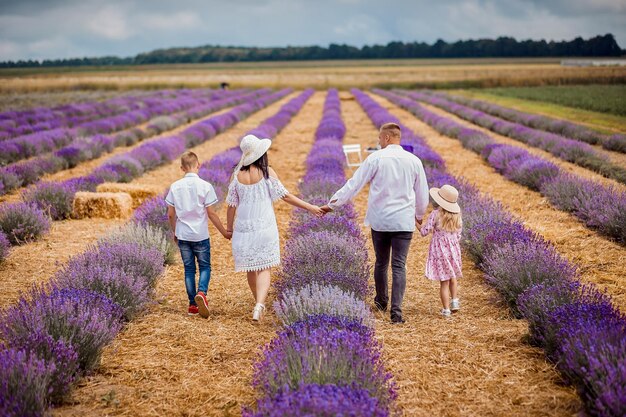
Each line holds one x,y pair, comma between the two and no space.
190,196
398,190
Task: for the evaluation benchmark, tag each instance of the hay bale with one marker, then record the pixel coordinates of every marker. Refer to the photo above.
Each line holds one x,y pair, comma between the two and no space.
102,205
139,193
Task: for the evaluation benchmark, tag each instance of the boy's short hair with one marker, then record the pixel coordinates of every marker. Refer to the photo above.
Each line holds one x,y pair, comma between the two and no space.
189,160
392,129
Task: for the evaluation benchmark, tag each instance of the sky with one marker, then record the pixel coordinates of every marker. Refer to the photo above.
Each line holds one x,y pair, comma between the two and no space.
49,29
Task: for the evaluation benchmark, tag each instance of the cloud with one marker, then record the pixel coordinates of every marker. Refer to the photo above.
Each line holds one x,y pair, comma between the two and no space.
360,30
68,28
109,23
183,20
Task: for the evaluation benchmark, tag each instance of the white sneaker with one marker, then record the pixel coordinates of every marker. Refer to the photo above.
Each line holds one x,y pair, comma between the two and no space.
455,305
445,312
257,313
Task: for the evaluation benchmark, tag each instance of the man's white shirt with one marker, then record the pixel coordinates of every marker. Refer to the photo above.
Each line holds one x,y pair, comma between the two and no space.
190,196
398,190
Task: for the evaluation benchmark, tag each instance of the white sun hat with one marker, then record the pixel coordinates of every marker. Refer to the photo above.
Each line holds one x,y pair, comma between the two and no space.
252,148
446,197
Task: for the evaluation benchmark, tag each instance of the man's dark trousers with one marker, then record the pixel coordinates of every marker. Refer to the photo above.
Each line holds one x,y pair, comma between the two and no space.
394,246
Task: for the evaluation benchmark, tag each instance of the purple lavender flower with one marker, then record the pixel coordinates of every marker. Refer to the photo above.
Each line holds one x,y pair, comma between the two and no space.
327,258
600,208
615,143
331,223
23,223
314,184
127,167
9,180
134,259
324,350
5,247
314,299
591,354
54,198
320,401
131,291
85,320
61,357
153,212
513,267
537,305
24,383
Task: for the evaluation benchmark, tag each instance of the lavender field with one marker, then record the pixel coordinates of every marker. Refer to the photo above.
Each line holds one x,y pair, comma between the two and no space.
92,311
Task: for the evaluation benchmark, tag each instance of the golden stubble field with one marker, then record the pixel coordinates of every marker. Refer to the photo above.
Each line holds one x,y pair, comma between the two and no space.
316,74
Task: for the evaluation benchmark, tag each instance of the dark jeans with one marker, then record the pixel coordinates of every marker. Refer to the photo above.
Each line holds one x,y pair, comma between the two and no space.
394,245
190,251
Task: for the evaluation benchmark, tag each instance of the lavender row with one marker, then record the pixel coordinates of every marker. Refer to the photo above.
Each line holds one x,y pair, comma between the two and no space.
564,148
565,128
25,173
325,361
26,146
35,115
25,222
599,207
55,334
18,123
578,326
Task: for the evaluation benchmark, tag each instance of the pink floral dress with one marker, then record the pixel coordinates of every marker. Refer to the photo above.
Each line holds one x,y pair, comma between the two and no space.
444,253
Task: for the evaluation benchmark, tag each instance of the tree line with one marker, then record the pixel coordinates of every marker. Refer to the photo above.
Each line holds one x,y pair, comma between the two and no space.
502,47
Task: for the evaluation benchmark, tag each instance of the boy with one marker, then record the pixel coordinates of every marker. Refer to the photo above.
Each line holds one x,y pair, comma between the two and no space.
189,211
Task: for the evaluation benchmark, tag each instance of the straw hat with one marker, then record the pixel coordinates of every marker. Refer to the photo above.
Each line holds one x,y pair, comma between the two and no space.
253,148
446,197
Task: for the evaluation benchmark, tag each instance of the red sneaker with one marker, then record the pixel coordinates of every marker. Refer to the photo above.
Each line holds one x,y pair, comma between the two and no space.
193,310
203,305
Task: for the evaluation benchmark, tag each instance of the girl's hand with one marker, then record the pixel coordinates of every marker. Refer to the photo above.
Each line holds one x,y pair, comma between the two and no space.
317,211
229,234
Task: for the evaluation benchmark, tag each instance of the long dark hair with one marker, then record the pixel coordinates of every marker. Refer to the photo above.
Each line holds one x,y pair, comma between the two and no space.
262,163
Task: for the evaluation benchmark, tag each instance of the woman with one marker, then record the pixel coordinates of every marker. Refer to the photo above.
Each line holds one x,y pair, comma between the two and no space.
253,189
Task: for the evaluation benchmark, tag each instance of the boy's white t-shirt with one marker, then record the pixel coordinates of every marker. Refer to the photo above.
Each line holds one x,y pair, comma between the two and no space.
190,196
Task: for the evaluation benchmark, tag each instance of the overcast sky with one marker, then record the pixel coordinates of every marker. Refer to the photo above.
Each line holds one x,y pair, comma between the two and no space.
41,29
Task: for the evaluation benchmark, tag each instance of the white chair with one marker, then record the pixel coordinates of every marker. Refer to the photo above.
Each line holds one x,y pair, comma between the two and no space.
352,149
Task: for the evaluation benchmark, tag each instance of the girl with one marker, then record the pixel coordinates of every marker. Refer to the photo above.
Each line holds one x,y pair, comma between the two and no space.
254,232
444,253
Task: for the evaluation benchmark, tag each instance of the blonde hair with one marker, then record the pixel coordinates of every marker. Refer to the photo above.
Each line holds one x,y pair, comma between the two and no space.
392,129
189,160
449,222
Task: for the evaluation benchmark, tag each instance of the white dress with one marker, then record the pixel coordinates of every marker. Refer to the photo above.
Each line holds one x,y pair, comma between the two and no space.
255,233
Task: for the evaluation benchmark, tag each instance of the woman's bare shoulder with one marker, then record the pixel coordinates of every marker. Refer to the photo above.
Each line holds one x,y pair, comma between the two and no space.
272,172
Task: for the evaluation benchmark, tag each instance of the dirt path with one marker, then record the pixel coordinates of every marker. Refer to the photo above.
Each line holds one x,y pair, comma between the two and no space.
618,159
474,364
26,266
601,261
169,364
86,167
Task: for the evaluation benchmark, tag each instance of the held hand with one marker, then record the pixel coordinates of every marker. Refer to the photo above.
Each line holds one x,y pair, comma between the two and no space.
229,234
315,210
326,209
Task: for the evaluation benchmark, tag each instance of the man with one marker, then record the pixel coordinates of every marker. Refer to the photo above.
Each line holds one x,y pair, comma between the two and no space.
398,198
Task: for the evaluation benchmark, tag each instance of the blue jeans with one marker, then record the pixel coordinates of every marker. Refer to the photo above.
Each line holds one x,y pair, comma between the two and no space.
190,251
